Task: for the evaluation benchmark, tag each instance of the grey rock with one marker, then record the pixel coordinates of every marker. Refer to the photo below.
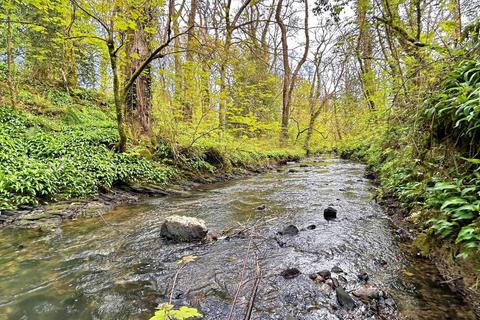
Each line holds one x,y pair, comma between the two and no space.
344,299
181,228
289,230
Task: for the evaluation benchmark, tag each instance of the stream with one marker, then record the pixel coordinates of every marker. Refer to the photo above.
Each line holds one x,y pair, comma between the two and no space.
117,266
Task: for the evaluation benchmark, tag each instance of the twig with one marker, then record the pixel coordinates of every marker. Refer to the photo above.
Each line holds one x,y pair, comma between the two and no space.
251,303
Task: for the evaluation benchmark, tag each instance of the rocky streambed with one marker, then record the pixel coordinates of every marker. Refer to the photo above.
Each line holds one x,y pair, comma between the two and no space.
275,250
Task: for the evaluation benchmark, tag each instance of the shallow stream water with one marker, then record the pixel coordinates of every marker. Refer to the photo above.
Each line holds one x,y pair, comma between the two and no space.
118,267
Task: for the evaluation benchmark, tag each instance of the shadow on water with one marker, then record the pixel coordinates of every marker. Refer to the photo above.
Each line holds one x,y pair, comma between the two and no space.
119,268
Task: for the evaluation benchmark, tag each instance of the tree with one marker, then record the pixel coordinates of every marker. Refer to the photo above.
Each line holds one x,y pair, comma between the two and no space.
289,77
114,23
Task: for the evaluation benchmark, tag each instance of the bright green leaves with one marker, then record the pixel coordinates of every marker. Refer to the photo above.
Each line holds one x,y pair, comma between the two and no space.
453,201
39,164
459,207
457,106
167,312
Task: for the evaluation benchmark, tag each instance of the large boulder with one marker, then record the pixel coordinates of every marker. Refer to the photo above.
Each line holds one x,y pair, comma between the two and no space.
181,228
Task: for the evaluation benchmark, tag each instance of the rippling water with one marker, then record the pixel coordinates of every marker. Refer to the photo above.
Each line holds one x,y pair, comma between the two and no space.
119,268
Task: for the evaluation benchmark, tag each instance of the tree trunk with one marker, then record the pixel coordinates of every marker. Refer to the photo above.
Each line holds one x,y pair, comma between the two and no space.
120,99
10,62
289,78
286,75
222,108
365,51
139,96
188,74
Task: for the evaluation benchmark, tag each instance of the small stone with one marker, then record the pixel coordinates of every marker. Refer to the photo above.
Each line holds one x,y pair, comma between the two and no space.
330,213
303,165
344,299
325,274
292,170
311,227
337,269
290,273
367,293
289,230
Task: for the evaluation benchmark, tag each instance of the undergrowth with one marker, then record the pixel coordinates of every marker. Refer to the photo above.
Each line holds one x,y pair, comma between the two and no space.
59,146
435,172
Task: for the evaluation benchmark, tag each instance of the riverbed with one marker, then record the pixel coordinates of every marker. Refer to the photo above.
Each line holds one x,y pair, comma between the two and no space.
116,266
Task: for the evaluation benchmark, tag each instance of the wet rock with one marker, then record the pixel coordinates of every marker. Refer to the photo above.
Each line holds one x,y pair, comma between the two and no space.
292,170
330,213
337,269
289,230
369,175
261,207
368,293
212,236
290,163
363,276
290,273
311,227
342,189
325,274
344,299
303,165
181,228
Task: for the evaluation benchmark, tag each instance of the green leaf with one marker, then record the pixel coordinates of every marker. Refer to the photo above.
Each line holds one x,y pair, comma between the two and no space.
453,201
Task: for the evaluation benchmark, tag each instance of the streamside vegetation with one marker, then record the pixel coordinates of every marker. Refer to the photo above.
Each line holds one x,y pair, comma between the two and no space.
96,94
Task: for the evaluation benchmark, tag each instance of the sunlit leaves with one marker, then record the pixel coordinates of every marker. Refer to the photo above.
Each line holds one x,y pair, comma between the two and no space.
167,312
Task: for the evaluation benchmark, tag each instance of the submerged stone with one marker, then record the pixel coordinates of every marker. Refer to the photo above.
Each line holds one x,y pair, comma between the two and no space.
337,269
290,273
289,230
182,228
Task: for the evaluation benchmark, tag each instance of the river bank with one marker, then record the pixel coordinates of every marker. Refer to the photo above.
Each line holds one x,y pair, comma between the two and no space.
49,216
459,275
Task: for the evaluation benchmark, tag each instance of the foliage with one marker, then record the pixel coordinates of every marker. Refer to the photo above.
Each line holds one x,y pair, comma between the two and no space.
455,109
43,165
167,312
